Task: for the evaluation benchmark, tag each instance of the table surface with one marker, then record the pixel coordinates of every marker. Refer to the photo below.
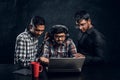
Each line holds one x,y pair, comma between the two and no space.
104,72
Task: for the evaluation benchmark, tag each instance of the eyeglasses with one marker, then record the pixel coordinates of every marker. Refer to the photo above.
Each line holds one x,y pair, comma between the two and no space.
39,30
62,36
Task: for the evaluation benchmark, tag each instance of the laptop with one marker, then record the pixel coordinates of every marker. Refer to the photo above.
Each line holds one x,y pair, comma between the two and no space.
66,64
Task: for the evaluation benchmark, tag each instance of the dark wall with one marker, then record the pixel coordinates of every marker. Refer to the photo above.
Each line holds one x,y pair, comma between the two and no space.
15,16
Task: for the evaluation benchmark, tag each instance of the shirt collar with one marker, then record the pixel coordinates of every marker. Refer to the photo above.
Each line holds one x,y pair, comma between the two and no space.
90,30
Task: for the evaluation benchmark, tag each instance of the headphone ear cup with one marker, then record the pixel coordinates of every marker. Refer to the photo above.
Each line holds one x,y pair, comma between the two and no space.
31,28
67,36
50,35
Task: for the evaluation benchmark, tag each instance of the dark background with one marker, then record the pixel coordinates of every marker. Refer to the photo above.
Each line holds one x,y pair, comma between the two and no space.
15,15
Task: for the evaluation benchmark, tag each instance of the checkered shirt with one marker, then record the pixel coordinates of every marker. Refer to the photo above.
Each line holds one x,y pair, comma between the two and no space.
25,49
67,49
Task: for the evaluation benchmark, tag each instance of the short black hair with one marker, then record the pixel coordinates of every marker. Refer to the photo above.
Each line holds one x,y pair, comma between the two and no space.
37,20
82,14
56,29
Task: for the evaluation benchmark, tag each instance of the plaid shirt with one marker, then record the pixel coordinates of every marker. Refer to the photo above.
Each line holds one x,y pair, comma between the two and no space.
67,49
25,49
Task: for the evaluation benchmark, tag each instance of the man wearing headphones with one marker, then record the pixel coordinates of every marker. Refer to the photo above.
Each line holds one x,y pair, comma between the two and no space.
27,42
59,44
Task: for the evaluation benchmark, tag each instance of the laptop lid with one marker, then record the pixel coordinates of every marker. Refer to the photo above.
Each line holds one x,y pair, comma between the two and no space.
66,64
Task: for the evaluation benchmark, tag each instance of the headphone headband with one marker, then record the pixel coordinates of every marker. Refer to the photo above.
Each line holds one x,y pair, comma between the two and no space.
31,22
60,26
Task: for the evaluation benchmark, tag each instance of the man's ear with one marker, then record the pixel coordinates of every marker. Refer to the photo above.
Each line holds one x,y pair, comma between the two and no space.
89,21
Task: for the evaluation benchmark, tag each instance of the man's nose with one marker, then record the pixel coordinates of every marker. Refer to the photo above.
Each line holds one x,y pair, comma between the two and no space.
80,27
59,38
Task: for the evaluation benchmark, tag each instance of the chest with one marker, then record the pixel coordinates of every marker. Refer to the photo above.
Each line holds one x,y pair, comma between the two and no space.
86,40
59,51
32,44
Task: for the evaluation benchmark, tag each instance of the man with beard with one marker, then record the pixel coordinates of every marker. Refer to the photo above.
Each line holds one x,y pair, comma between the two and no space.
59,45
26,47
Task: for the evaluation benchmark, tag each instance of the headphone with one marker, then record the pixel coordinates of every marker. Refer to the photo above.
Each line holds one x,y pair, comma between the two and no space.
58,27
31,21
31,25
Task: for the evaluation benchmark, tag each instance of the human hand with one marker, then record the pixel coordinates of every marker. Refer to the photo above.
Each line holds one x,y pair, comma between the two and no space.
45,60
79,55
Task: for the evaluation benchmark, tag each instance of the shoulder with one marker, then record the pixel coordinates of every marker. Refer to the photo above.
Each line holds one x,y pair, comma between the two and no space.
97,36
22,36
69,41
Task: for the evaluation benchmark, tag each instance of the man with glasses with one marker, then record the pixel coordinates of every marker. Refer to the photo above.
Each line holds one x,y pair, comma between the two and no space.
59,45
90,41
27,42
